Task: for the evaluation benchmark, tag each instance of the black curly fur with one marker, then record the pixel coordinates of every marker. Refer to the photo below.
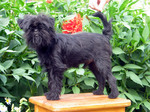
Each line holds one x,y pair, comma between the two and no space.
58,52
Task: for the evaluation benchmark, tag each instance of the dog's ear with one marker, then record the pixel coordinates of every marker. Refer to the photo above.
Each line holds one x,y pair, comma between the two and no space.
20,23
51,21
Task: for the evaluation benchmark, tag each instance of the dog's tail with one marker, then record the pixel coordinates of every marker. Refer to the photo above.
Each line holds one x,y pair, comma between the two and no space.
107,25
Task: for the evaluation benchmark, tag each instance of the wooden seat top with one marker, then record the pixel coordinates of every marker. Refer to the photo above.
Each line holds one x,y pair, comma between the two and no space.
79,102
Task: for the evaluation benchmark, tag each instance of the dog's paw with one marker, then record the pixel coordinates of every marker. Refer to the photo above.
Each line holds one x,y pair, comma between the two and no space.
113,95
97,92
51,96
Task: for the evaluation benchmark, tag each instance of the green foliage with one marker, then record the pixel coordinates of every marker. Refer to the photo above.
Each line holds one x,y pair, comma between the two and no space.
131,53
21,75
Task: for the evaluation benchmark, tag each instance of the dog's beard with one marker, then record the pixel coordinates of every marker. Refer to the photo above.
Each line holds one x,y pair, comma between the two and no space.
38,39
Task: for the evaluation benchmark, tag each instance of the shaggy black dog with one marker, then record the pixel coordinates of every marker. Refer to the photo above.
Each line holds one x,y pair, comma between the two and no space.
58,52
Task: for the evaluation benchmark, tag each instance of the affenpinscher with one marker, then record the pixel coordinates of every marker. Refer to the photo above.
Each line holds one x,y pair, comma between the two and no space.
58,52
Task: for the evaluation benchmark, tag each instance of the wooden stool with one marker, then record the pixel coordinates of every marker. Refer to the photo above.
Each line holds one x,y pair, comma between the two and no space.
84,102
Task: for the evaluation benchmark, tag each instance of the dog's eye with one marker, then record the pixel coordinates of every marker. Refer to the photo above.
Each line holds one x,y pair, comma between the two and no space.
30,28
40,26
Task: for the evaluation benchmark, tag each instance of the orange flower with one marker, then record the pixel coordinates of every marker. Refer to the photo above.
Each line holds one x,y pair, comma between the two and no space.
72,26
49,1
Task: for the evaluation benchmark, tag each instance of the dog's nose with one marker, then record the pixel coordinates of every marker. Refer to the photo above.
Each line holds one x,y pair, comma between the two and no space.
35,30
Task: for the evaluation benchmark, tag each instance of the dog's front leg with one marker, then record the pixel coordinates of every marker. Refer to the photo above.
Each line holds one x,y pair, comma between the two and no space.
54,84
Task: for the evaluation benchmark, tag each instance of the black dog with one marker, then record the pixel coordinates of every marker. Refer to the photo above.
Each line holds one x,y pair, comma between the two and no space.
58,52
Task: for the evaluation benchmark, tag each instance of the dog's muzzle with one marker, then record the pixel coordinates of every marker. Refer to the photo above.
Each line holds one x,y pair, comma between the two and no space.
37,38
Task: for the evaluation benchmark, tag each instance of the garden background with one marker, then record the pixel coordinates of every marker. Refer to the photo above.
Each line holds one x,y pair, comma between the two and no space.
22,77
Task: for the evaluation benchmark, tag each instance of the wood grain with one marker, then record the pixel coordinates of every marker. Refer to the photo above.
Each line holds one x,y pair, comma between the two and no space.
85,102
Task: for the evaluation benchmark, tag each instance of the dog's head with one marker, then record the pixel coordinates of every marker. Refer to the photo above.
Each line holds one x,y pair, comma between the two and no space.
39,30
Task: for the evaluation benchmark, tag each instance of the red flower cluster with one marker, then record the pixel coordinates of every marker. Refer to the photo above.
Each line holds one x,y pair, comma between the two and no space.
72,26
49,1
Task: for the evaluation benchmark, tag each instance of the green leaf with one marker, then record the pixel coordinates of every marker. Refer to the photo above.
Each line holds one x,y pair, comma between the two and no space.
95,28
126,25
38,81
91,75
81,79
89,82
68,2
135,94
6,95
69,17
122,96
3,79
69,75
80,71
117,68
123,58
118,76
21,48
26,66
130,97
123,4
24,103
148,20
3,39
147,104
63,90
2,68
132,2
31,71
71,70
3,50
14,43
128,19
145,82
147,73
67,90
134,78
7,64
33,61
145,33
45,81
117,50
4,22
75,90
28,78
85,21
16,77
142,47
147,78
81,65
132,66
8,32
32,55
18,71
11,51
136,38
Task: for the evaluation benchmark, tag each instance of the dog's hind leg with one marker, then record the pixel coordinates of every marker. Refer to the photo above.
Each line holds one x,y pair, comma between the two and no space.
99,78
112,83
104,66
